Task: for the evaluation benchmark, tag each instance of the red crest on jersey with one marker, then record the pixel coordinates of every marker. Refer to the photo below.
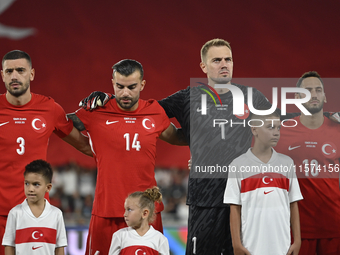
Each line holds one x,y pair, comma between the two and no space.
149,124
38,124
328,149
245,114
140,252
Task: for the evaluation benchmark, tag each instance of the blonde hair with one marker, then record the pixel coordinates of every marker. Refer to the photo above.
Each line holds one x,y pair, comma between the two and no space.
147,200
214,42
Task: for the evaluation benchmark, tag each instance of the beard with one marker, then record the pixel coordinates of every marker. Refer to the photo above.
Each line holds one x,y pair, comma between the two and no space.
314,109
17,92
126,105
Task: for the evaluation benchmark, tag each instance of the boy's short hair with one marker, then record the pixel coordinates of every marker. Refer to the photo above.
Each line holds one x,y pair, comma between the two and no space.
40,167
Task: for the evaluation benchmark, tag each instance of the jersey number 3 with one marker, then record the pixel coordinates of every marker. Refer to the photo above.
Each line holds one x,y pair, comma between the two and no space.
135,142
21,142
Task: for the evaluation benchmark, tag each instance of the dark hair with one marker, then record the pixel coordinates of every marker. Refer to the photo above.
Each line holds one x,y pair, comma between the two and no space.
128,66
17,54
307,75
40,167
214,42
147,199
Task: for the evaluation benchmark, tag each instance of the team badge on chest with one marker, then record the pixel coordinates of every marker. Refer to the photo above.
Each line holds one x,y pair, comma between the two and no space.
39,124
329,149
149,124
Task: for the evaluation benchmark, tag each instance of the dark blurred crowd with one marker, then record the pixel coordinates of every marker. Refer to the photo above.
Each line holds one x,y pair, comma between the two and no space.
74,186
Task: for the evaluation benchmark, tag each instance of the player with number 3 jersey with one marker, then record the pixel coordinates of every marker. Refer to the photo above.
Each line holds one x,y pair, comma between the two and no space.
27,120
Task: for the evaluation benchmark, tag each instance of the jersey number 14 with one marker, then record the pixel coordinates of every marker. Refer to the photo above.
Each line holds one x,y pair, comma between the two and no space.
135,143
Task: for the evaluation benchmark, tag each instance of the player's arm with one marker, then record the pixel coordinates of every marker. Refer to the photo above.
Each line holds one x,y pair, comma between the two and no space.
59,251
173,104
235,228
173,136
79,141
77,123
76,138
295,226
9,250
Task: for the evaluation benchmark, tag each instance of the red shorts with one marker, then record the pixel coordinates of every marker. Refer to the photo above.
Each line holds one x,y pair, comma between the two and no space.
102,229
3,220
324,246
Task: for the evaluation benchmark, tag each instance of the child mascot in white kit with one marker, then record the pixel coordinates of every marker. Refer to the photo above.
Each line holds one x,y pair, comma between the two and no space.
140,237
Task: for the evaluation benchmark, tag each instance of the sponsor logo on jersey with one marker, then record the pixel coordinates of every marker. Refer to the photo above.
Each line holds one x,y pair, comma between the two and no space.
39,124
1,124
199,110
111,122
34,248
292,148
148,124
267,192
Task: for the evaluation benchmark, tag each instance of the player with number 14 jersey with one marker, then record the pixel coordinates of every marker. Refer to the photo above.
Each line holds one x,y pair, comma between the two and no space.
132,137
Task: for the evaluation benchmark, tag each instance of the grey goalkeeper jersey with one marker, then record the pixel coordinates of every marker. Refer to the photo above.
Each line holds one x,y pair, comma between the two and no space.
215,138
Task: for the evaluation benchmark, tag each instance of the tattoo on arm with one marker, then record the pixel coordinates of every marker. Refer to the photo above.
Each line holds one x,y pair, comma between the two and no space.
76,121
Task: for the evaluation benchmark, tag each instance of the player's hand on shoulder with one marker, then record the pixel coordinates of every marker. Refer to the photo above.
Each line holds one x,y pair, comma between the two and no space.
95,99
241,250
334,117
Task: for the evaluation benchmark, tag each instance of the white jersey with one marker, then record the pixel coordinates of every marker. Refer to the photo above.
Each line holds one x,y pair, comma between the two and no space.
264,191
29,234
128,241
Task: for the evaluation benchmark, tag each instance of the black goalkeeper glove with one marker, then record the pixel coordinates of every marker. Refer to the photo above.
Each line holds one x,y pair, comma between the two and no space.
96,98
334,117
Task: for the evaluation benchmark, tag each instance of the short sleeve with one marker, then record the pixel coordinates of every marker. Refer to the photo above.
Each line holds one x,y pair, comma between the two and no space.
115,246
165,120
232,193
61,232
9,236
164,248
81,114
294,187
173,104
63,126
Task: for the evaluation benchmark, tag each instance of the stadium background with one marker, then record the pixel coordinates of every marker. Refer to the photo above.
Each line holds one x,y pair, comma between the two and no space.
73,45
